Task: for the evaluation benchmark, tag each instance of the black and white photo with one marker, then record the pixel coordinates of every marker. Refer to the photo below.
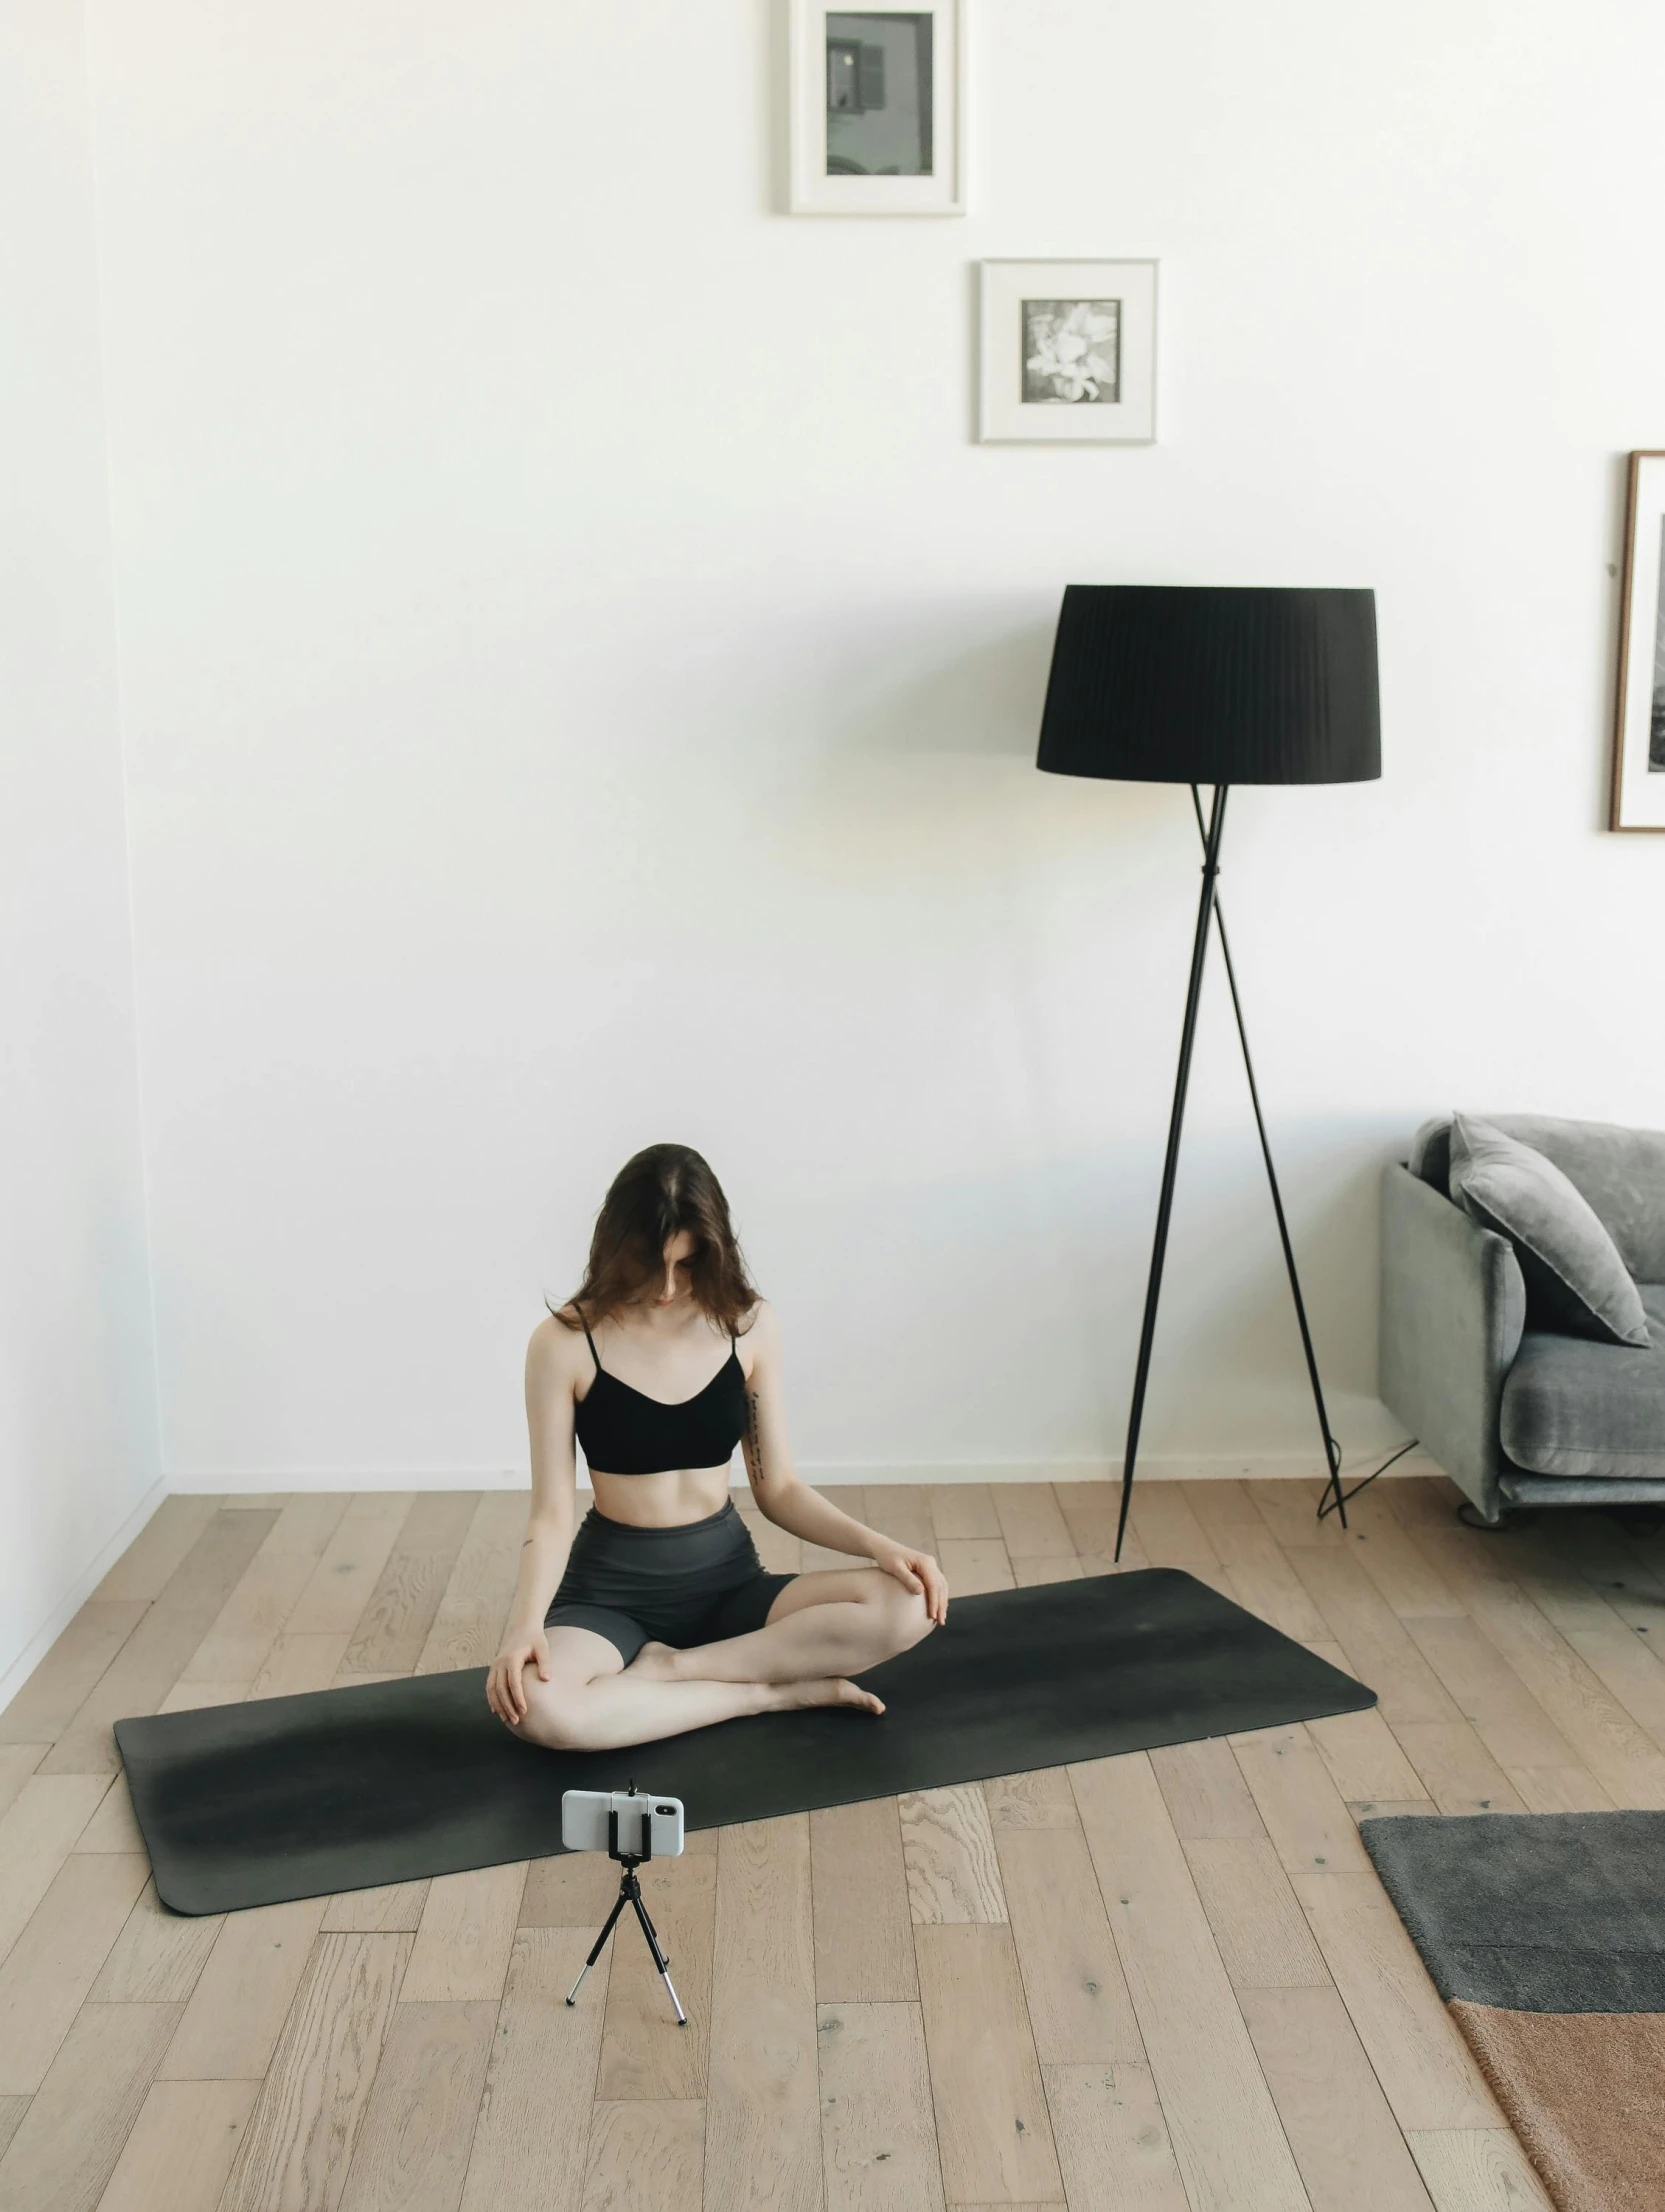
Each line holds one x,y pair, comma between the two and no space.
1072,352
880,110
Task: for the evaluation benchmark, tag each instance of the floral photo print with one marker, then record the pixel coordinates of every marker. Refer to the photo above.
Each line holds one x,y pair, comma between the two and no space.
1072,352
1068,351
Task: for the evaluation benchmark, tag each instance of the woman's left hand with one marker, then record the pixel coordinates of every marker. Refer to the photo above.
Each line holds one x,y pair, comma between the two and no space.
917,1570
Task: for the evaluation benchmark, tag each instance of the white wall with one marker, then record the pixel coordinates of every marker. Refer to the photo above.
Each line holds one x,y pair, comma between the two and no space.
582,682
78,1450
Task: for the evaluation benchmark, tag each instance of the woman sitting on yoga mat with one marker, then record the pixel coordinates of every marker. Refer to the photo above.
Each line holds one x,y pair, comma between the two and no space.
658,1616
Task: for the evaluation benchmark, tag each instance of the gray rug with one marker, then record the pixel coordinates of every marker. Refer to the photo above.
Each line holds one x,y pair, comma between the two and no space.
1541,1912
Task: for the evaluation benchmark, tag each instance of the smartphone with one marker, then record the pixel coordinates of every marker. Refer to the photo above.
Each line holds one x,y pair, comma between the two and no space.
584,1825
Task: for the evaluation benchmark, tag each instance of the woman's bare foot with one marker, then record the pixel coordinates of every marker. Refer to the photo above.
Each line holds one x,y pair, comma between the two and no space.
828,1689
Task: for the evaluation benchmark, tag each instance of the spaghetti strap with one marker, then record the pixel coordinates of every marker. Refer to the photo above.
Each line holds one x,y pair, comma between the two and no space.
590,1341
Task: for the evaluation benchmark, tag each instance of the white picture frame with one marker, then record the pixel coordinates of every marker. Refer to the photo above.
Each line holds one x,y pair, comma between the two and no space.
1638,797
1068,352
914,59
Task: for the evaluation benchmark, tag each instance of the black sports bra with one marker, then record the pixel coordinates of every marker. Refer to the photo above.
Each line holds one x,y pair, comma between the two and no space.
625,1432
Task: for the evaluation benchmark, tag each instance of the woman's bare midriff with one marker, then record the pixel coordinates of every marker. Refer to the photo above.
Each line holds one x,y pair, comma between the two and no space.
668,1499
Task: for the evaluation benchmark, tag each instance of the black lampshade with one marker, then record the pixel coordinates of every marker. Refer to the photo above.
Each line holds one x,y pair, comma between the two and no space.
1159,683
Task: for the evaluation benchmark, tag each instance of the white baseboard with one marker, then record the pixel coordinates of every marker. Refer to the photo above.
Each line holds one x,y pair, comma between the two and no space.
1220,1467
1232,1467
278,1482
82,1588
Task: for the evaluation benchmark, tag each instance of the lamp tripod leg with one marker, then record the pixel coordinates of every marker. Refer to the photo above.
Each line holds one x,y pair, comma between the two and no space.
1333,1500
1176,1122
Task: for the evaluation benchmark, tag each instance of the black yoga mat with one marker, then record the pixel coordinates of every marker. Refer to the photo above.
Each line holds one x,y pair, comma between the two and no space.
346,1789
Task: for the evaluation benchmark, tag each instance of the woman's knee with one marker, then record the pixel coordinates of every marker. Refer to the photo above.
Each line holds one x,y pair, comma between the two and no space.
903,1615
555,1715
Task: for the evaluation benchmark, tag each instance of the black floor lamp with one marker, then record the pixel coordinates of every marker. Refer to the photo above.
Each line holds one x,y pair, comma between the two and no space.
1196,684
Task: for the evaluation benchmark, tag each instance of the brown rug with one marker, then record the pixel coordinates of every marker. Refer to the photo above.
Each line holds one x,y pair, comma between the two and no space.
1585,2092
1545,1934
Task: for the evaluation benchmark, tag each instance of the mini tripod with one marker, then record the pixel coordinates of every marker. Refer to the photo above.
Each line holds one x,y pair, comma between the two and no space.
630,1893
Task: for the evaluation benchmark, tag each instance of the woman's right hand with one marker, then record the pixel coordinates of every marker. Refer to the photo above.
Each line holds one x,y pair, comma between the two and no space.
505,1688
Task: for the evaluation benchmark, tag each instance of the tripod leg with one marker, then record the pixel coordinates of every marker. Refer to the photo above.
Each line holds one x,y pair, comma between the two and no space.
651,1929
660,1960
633,1890
599,1944
1176,1121
1333,1501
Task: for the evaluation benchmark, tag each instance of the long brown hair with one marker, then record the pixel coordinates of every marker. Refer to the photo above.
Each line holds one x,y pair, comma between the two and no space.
654,1196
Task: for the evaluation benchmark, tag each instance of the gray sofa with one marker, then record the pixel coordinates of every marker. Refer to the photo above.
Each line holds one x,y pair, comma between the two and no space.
1515,1413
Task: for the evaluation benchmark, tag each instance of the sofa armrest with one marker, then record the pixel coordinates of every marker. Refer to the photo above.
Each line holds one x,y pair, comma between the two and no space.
1453,1309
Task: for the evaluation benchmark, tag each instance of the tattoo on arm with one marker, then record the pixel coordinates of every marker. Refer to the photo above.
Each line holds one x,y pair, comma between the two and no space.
752,1441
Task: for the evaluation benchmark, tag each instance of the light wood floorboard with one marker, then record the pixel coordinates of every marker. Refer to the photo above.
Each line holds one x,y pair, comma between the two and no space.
18,1762
1478,2170
49,1971
645,2152
465,1935
78,2122
147,1565
1228,2141
1079,2008
878,2135
299,2143
153,1659
948,1850
1346,2141
993,2131
418,2127
67,1676
859,1886
1113,2147
762,2121
532,2133
237,2009
395,1623
181,2148
1166,1982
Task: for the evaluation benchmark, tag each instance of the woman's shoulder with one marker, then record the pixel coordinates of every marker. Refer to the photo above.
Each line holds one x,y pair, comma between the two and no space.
759,1323
556,1340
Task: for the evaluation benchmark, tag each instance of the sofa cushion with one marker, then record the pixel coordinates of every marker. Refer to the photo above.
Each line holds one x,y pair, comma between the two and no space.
1572,1407
1575,1279
1620,1172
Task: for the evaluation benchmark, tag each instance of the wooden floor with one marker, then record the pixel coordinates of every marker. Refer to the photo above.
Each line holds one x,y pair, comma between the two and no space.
1154,1982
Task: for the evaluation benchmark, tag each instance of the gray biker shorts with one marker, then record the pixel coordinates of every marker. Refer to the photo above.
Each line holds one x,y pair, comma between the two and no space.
694,1584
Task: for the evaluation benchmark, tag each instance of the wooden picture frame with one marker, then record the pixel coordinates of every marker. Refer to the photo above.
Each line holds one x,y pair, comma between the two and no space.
1638,797
876,122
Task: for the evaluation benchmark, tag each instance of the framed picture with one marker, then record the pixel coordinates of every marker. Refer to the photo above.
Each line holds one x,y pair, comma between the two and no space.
1069,351
1639,738
877,120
